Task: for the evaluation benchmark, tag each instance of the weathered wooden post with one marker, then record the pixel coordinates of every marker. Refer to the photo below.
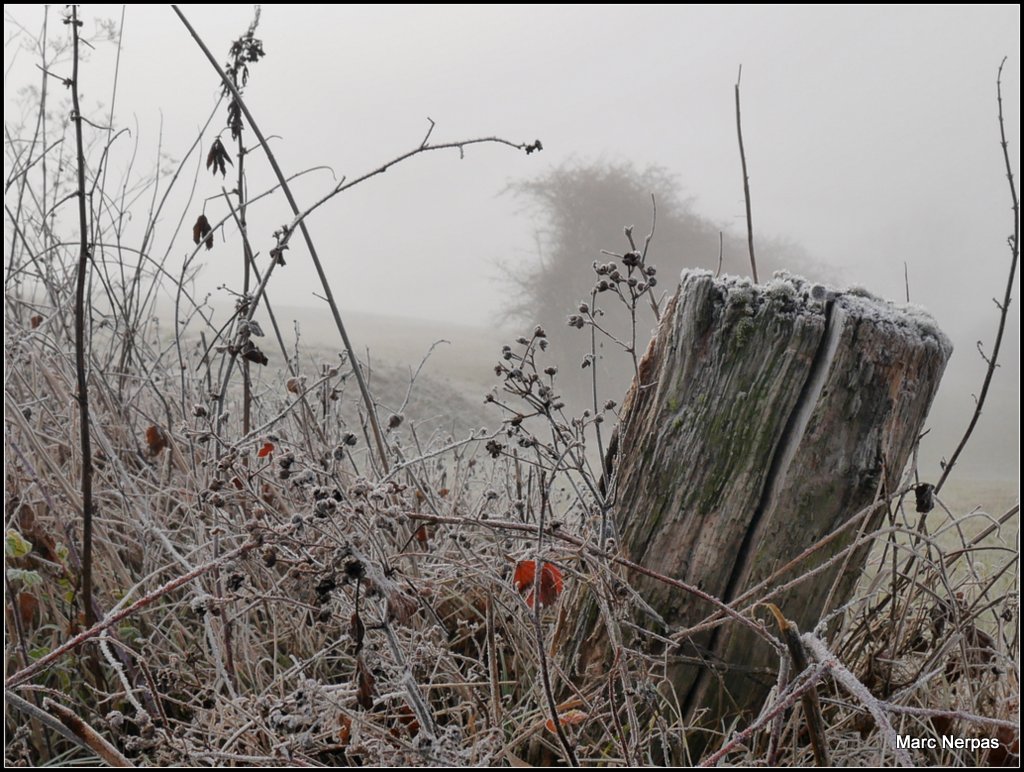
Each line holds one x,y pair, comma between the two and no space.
764,417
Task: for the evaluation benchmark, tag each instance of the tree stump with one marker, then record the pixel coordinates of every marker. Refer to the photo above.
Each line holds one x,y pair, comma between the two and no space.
763,419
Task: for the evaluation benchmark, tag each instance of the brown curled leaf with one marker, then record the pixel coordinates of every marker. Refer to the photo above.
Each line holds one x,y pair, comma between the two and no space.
218,158
365,684
357,631
202,231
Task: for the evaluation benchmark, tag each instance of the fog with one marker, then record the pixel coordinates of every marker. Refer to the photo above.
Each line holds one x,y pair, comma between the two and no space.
870,133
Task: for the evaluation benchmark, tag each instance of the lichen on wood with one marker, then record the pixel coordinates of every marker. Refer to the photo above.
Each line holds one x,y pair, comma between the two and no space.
763,418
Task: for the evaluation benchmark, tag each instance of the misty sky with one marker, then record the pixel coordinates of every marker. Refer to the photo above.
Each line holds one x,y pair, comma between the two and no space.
870,132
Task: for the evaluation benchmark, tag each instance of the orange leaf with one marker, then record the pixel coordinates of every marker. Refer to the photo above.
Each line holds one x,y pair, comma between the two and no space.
550,581
266,450
569,718
344,729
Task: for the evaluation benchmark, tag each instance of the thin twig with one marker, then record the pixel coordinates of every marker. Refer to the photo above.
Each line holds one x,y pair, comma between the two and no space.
746,179
1004,309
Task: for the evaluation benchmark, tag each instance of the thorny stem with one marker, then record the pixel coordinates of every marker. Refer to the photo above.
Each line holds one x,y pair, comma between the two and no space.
538,569
1004,309
424,146
83,386
360,380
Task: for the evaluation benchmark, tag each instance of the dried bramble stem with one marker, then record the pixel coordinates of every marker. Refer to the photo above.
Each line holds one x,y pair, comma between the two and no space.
329,294
1004,307
83,379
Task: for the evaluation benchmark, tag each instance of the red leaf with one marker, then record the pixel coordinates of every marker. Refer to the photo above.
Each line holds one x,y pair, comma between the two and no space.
156,440
550,581
422,536
266,450
407,719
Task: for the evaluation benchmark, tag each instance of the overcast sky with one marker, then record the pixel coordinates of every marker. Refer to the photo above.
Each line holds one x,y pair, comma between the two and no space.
870,132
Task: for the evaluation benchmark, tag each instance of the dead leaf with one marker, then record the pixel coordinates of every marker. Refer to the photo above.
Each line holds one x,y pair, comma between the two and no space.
401,607
356,631
28,604
365,685
156,440
218,158
202,230
569,718
344,729
252,353
422,536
